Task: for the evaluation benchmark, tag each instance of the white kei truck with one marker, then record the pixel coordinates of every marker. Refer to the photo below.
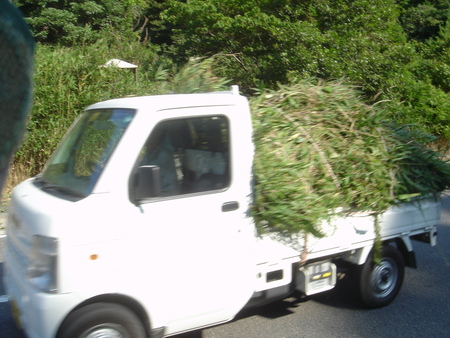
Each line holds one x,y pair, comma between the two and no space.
140,226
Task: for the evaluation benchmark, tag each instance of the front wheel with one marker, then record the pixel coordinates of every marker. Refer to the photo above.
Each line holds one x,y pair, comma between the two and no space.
100,321
380,283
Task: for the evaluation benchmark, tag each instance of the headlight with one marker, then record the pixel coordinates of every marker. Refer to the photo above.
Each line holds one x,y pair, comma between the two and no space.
42,263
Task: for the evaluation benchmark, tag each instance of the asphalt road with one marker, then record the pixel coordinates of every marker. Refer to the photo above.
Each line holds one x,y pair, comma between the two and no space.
422,309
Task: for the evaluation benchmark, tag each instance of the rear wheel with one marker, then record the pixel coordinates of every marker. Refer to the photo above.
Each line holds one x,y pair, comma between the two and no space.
102,320
380,283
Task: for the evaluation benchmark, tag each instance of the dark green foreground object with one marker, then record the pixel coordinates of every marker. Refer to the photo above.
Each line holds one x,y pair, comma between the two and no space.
16,71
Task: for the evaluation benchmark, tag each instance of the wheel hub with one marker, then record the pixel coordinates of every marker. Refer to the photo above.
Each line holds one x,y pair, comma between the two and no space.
105,331
384,278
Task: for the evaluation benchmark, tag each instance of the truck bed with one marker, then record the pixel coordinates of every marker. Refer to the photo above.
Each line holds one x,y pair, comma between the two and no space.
349,236
357,230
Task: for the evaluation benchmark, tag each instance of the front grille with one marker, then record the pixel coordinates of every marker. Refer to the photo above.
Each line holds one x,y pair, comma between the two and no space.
17,248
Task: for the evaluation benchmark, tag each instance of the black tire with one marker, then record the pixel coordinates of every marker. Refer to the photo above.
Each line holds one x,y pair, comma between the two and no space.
380,283
102,320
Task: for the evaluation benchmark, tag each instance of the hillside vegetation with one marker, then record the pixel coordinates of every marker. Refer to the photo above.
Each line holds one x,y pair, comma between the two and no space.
384,63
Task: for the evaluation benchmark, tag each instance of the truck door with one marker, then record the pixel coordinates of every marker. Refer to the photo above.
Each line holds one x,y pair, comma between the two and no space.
200,243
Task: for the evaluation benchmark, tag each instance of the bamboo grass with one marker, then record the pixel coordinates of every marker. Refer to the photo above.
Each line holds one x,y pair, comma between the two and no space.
320,148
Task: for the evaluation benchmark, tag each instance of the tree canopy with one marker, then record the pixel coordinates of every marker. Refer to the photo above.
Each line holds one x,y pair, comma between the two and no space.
72,22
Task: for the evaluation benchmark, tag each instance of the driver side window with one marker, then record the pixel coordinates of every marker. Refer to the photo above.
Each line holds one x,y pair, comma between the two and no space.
192,155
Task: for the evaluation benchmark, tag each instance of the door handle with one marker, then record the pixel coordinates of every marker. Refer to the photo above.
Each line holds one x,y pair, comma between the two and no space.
230,206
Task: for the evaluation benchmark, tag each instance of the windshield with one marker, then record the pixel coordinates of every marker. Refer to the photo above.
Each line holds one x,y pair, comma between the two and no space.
83,153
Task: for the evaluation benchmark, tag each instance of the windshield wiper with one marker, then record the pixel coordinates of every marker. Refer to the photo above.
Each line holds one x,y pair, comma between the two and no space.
45,185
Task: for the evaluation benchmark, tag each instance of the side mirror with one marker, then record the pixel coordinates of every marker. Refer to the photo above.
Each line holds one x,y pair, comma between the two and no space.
146,182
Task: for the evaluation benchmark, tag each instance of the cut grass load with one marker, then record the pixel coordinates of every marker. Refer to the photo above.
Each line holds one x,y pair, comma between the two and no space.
320,150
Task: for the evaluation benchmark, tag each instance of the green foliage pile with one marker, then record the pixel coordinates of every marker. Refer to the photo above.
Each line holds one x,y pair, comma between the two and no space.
319,148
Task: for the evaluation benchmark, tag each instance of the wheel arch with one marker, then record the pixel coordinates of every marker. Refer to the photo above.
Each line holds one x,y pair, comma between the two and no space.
404,246
123,300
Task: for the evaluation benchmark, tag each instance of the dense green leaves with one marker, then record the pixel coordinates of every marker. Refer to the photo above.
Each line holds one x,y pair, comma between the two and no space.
392,50
422,19
72,22
254,45
320,150
327,39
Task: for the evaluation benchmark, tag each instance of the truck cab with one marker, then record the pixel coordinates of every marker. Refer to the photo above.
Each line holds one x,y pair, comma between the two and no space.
145,204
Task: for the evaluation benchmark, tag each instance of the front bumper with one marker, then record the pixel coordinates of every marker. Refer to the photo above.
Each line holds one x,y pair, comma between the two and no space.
38,314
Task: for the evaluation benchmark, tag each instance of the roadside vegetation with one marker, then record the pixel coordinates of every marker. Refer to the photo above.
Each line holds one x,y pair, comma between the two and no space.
371,74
